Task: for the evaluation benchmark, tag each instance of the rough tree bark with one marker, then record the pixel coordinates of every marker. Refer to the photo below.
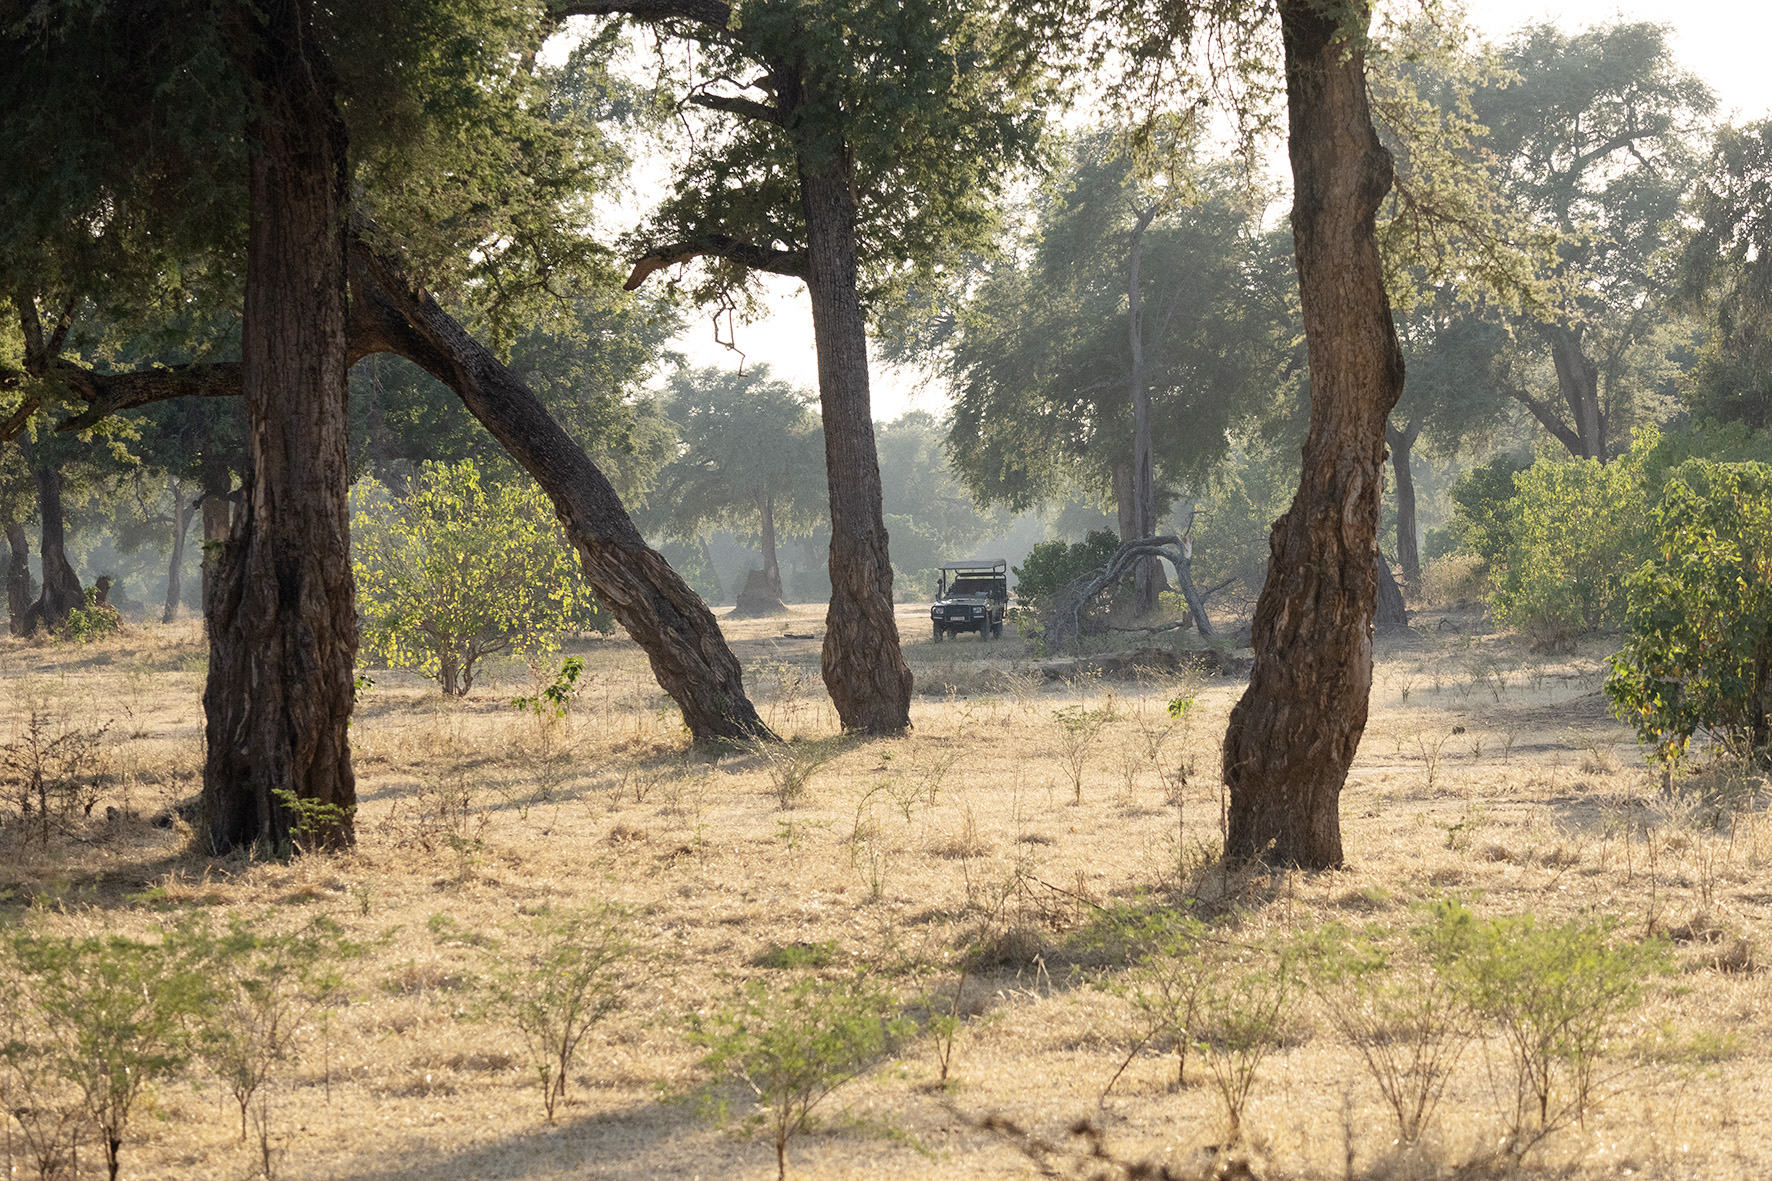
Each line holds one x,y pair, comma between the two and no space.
1294,733
61,591
282,621
18,576
1402,444
217,520
864,670
665,617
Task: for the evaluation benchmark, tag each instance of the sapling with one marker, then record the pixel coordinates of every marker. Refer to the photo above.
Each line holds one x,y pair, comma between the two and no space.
1241,1013
790,1048
567,978
262,988
110,1016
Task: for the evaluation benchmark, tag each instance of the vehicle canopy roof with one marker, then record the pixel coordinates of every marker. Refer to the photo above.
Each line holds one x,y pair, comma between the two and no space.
977,566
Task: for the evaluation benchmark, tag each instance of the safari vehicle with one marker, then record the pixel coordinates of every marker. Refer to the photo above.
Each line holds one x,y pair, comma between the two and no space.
972,597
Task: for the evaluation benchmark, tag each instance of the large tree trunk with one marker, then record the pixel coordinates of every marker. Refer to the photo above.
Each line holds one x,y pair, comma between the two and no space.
282,620
61,592
18,576
1294,733
665,617
863,668
1402,444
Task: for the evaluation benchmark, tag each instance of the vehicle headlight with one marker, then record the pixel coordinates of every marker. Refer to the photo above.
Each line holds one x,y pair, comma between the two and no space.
978,610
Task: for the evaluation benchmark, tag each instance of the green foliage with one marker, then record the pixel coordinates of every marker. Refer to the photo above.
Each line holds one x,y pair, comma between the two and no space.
555,699
93,621
314,824
791,1047
789,956
1577,529
555,989
262,988
1555,990
96,1021
1242,1011
1397,1009
456,571
1163,949
1699,650
1053,565
1480,508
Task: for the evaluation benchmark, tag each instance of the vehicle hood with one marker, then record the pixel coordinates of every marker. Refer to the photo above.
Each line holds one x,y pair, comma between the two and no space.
964,601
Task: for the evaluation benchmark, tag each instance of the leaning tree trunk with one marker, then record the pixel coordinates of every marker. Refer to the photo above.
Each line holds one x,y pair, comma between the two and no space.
61,591
1294,733
1402,444
665,617
864,670
18,576
282,620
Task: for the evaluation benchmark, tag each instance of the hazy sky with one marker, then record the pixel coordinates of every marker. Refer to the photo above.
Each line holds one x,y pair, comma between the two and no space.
1722,41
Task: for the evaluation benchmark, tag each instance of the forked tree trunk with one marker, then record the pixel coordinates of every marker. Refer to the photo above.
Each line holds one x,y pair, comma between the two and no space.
61,592
282,620
665,617
1294,733
1402,445
1578,380
864,670
18,576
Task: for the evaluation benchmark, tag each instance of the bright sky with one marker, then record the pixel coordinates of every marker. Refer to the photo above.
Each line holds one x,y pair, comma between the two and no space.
1722,41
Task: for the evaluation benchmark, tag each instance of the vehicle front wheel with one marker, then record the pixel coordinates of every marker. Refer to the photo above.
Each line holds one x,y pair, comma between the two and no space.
938,633
996,631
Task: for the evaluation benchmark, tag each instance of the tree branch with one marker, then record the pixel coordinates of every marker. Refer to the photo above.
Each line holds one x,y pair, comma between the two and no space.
706,12
1548,419
733,105
759,258
107,393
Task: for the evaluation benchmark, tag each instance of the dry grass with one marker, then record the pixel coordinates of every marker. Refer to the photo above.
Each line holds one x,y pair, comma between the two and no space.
1485,772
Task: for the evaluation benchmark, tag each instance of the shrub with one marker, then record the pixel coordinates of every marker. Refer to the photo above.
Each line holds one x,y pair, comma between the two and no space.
1482,523
1399,1012
553,992
791,1048
263,987
1241,1015
456,571
98,1020
1699,652
1555,991
1053,565
1163,980
1576,532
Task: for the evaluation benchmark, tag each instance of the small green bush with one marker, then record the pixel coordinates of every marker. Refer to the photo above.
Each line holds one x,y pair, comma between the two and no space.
96,1021
1053,565
564,978
1699,652
1482,523
790,1048
1576,530
1555,991
457,570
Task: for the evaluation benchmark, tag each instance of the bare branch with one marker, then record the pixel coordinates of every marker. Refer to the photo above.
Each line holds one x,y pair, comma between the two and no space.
732,105
759,258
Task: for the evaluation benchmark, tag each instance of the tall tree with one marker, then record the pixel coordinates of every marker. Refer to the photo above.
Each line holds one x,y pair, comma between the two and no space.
1725,275
1594,136
1294,732
749,450
855,145
1140,324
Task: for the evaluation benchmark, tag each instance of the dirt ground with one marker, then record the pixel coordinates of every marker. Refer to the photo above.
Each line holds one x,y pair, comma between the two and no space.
1487,773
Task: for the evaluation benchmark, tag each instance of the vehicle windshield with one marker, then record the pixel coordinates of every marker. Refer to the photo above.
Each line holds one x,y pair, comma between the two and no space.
972,586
